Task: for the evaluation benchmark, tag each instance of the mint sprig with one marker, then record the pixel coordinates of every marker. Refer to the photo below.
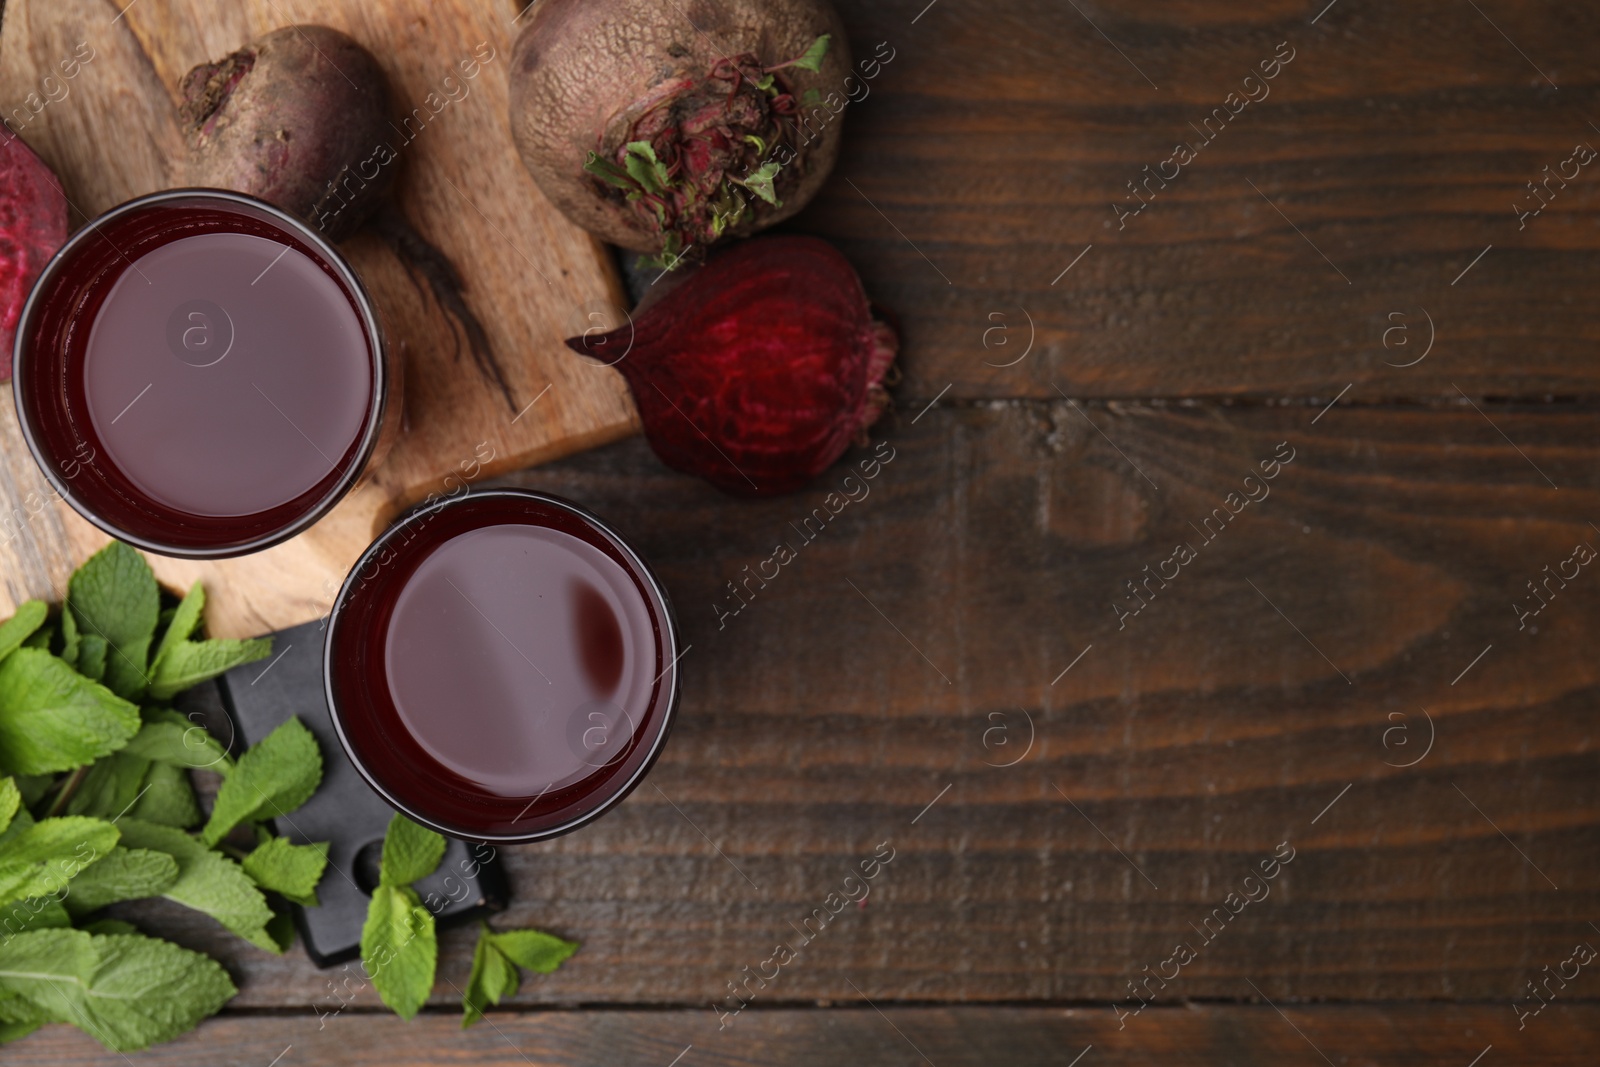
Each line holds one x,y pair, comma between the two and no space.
399,947
495,961
181,664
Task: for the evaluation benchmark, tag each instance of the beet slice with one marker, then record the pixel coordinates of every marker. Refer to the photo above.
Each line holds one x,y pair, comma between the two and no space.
33,224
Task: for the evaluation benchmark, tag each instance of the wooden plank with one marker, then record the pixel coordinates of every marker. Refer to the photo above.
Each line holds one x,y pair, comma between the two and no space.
988,154
113,135
1196,740
1360,1036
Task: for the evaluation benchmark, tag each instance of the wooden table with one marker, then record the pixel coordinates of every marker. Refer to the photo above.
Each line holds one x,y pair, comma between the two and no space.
1339,670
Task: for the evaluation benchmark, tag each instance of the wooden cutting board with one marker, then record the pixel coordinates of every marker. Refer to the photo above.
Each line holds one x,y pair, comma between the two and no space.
111,133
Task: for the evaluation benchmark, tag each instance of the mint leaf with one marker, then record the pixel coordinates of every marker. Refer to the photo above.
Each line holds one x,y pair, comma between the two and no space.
207,881
812,60
15,630
398,945
42,858
180,663
277,775
10,801
125,990
290,869
109,787
184,620
495,962
123,874
281,929
15,1010
33,787
167,798
19,822
10,1032
128,783
109,926
35,913
189,663
399,948
534,950
70,640
92,657
493,977
114,596
53,719
410,852
168,737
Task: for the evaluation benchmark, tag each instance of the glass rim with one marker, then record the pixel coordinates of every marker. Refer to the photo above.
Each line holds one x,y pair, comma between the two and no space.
366,312
669,627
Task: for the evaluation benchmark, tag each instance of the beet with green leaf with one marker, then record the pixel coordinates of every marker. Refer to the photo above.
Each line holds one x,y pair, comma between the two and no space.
663,128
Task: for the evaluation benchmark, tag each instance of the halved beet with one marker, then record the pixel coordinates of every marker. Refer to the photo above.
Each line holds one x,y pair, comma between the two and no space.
757,370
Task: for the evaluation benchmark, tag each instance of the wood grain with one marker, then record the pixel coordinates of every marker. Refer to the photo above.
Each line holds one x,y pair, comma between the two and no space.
1194,1036
528,273
1195,741
990,151
1275,691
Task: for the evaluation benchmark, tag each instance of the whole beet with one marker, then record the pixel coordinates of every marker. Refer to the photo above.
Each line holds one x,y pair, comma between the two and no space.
33,224
299,118
589,78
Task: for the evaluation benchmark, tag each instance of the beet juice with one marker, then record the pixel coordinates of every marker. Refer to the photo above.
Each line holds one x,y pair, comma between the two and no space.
200,374
502,666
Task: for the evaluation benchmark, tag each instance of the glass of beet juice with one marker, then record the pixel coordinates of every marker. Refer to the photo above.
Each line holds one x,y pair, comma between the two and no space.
201,374
502,666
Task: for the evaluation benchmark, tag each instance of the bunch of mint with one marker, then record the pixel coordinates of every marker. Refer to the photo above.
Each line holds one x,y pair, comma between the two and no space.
97,807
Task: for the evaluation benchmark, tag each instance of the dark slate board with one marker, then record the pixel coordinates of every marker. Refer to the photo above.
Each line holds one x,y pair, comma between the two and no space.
345,811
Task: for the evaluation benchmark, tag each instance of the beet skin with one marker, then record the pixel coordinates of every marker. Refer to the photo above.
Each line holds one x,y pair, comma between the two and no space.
299,118
33,224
